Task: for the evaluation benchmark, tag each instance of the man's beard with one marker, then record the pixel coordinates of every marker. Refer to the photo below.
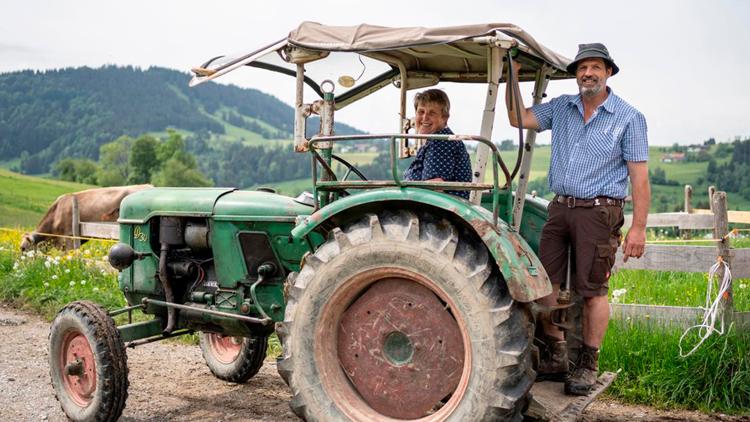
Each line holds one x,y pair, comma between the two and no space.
590,91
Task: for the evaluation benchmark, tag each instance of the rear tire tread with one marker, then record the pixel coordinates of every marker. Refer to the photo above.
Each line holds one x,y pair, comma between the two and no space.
513,329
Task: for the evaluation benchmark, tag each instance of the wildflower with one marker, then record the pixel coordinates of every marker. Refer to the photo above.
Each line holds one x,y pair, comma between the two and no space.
15,265
54,276
96,289
87,252
83,282
743,285
72,283
46,284
23,257
67,270
47,264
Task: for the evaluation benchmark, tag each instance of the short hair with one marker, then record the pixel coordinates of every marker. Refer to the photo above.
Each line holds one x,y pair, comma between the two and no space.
437,96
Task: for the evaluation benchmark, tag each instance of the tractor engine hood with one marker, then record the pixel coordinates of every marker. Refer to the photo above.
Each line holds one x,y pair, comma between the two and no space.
220,203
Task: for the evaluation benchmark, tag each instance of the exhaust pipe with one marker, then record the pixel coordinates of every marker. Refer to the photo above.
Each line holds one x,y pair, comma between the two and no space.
167,287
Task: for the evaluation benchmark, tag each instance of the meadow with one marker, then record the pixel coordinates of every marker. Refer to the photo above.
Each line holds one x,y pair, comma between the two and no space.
24,199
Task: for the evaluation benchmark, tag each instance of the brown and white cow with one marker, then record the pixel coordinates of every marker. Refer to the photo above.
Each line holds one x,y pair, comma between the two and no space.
94,205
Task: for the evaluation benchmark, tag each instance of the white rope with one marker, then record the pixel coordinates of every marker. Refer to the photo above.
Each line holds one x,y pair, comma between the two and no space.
712,309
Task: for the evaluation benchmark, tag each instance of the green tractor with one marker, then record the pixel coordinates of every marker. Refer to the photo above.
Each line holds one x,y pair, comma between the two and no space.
392,298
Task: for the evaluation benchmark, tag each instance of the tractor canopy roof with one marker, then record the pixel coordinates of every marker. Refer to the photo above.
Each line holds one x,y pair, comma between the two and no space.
429,55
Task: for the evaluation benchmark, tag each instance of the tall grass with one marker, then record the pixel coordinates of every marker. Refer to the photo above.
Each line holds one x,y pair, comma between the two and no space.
716,378
45,282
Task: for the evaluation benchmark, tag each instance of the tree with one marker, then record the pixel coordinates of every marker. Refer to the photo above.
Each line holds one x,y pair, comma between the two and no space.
507,145
113,162
142,160
76,170
175,173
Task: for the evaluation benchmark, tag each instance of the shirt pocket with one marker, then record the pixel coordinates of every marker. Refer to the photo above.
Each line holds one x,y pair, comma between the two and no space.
601,143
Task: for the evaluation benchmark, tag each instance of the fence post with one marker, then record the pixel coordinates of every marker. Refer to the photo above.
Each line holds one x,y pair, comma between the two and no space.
711,192
721,228
688,209
76,221
688,199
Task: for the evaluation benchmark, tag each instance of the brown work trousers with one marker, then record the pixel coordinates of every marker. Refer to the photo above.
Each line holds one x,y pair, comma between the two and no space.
594,235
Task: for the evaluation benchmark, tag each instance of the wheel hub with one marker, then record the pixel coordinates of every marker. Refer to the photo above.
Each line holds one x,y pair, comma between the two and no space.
226,349
397,348
401,348
79,368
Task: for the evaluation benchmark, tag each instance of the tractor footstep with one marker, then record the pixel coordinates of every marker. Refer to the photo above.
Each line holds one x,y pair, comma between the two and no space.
549,402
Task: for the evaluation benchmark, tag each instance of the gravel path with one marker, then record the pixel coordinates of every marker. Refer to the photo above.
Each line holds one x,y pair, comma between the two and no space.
170,382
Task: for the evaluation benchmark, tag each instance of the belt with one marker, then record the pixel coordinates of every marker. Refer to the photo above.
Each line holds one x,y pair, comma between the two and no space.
573,202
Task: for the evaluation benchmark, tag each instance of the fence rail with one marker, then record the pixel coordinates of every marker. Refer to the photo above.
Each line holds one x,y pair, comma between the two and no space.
698,259
93,230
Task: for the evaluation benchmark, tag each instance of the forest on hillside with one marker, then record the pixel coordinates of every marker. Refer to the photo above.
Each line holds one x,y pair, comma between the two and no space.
71,113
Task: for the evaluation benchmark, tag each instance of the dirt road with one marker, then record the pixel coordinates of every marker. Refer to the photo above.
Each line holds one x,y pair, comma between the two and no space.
170,382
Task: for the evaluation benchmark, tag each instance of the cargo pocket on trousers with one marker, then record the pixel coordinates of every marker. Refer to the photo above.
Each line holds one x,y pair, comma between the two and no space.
603,261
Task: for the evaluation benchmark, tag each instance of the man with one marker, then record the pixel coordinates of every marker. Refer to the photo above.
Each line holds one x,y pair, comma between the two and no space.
438,161
598,140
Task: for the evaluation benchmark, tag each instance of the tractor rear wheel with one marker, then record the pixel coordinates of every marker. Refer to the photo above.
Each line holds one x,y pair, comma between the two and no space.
233,359
88,363
404,316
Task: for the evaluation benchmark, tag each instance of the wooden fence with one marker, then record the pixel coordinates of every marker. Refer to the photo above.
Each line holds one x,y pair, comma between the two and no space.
93,230
686,258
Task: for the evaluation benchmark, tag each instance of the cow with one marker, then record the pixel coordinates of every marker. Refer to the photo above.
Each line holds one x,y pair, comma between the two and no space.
94,205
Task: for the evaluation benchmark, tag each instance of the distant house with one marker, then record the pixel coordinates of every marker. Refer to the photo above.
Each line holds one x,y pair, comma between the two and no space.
365,147
673,157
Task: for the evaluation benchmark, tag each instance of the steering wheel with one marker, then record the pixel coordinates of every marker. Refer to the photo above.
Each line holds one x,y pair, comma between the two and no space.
349,168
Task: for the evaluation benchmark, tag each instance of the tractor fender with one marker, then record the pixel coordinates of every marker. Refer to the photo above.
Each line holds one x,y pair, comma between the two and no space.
526,278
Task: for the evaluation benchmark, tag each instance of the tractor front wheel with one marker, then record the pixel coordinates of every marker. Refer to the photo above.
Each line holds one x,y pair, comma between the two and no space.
88,363
233,359
404,316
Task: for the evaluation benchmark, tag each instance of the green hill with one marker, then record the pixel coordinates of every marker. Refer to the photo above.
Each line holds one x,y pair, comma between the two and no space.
25,199
71,112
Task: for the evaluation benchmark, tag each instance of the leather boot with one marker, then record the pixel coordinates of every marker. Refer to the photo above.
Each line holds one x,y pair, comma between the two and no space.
583,378
553,365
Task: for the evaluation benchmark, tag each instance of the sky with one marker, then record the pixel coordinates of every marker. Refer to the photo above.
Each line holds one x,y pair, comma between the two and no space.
681,62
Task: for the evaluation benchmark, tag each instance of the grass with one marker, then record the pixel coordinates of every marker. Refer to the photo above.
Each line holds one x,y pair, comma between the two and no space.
25,199
290,187
672,289
714,379
44,283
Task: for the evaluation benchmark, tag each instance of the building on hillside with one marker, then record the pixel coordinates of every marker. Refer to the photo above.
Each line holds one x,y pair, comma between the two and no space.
673,157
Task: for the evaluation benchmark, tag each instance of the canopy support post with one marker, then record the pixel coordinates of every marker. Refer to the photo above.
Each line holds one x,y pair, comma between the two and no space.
540,86
494,70
300,112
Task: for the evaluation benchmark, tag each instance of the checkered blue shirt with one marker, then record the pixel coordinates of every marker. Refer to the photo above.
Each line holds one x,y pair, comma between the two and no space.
448,160
590,160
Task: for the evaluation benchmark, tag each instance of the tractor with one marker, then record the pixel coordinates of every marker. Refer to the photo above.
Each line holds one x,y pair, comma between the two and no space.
393,299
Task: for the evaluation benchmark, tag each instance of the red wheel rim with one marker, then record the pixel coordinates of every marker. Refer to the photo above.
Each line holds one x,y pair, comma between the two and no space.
225,349
78,368
385,386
